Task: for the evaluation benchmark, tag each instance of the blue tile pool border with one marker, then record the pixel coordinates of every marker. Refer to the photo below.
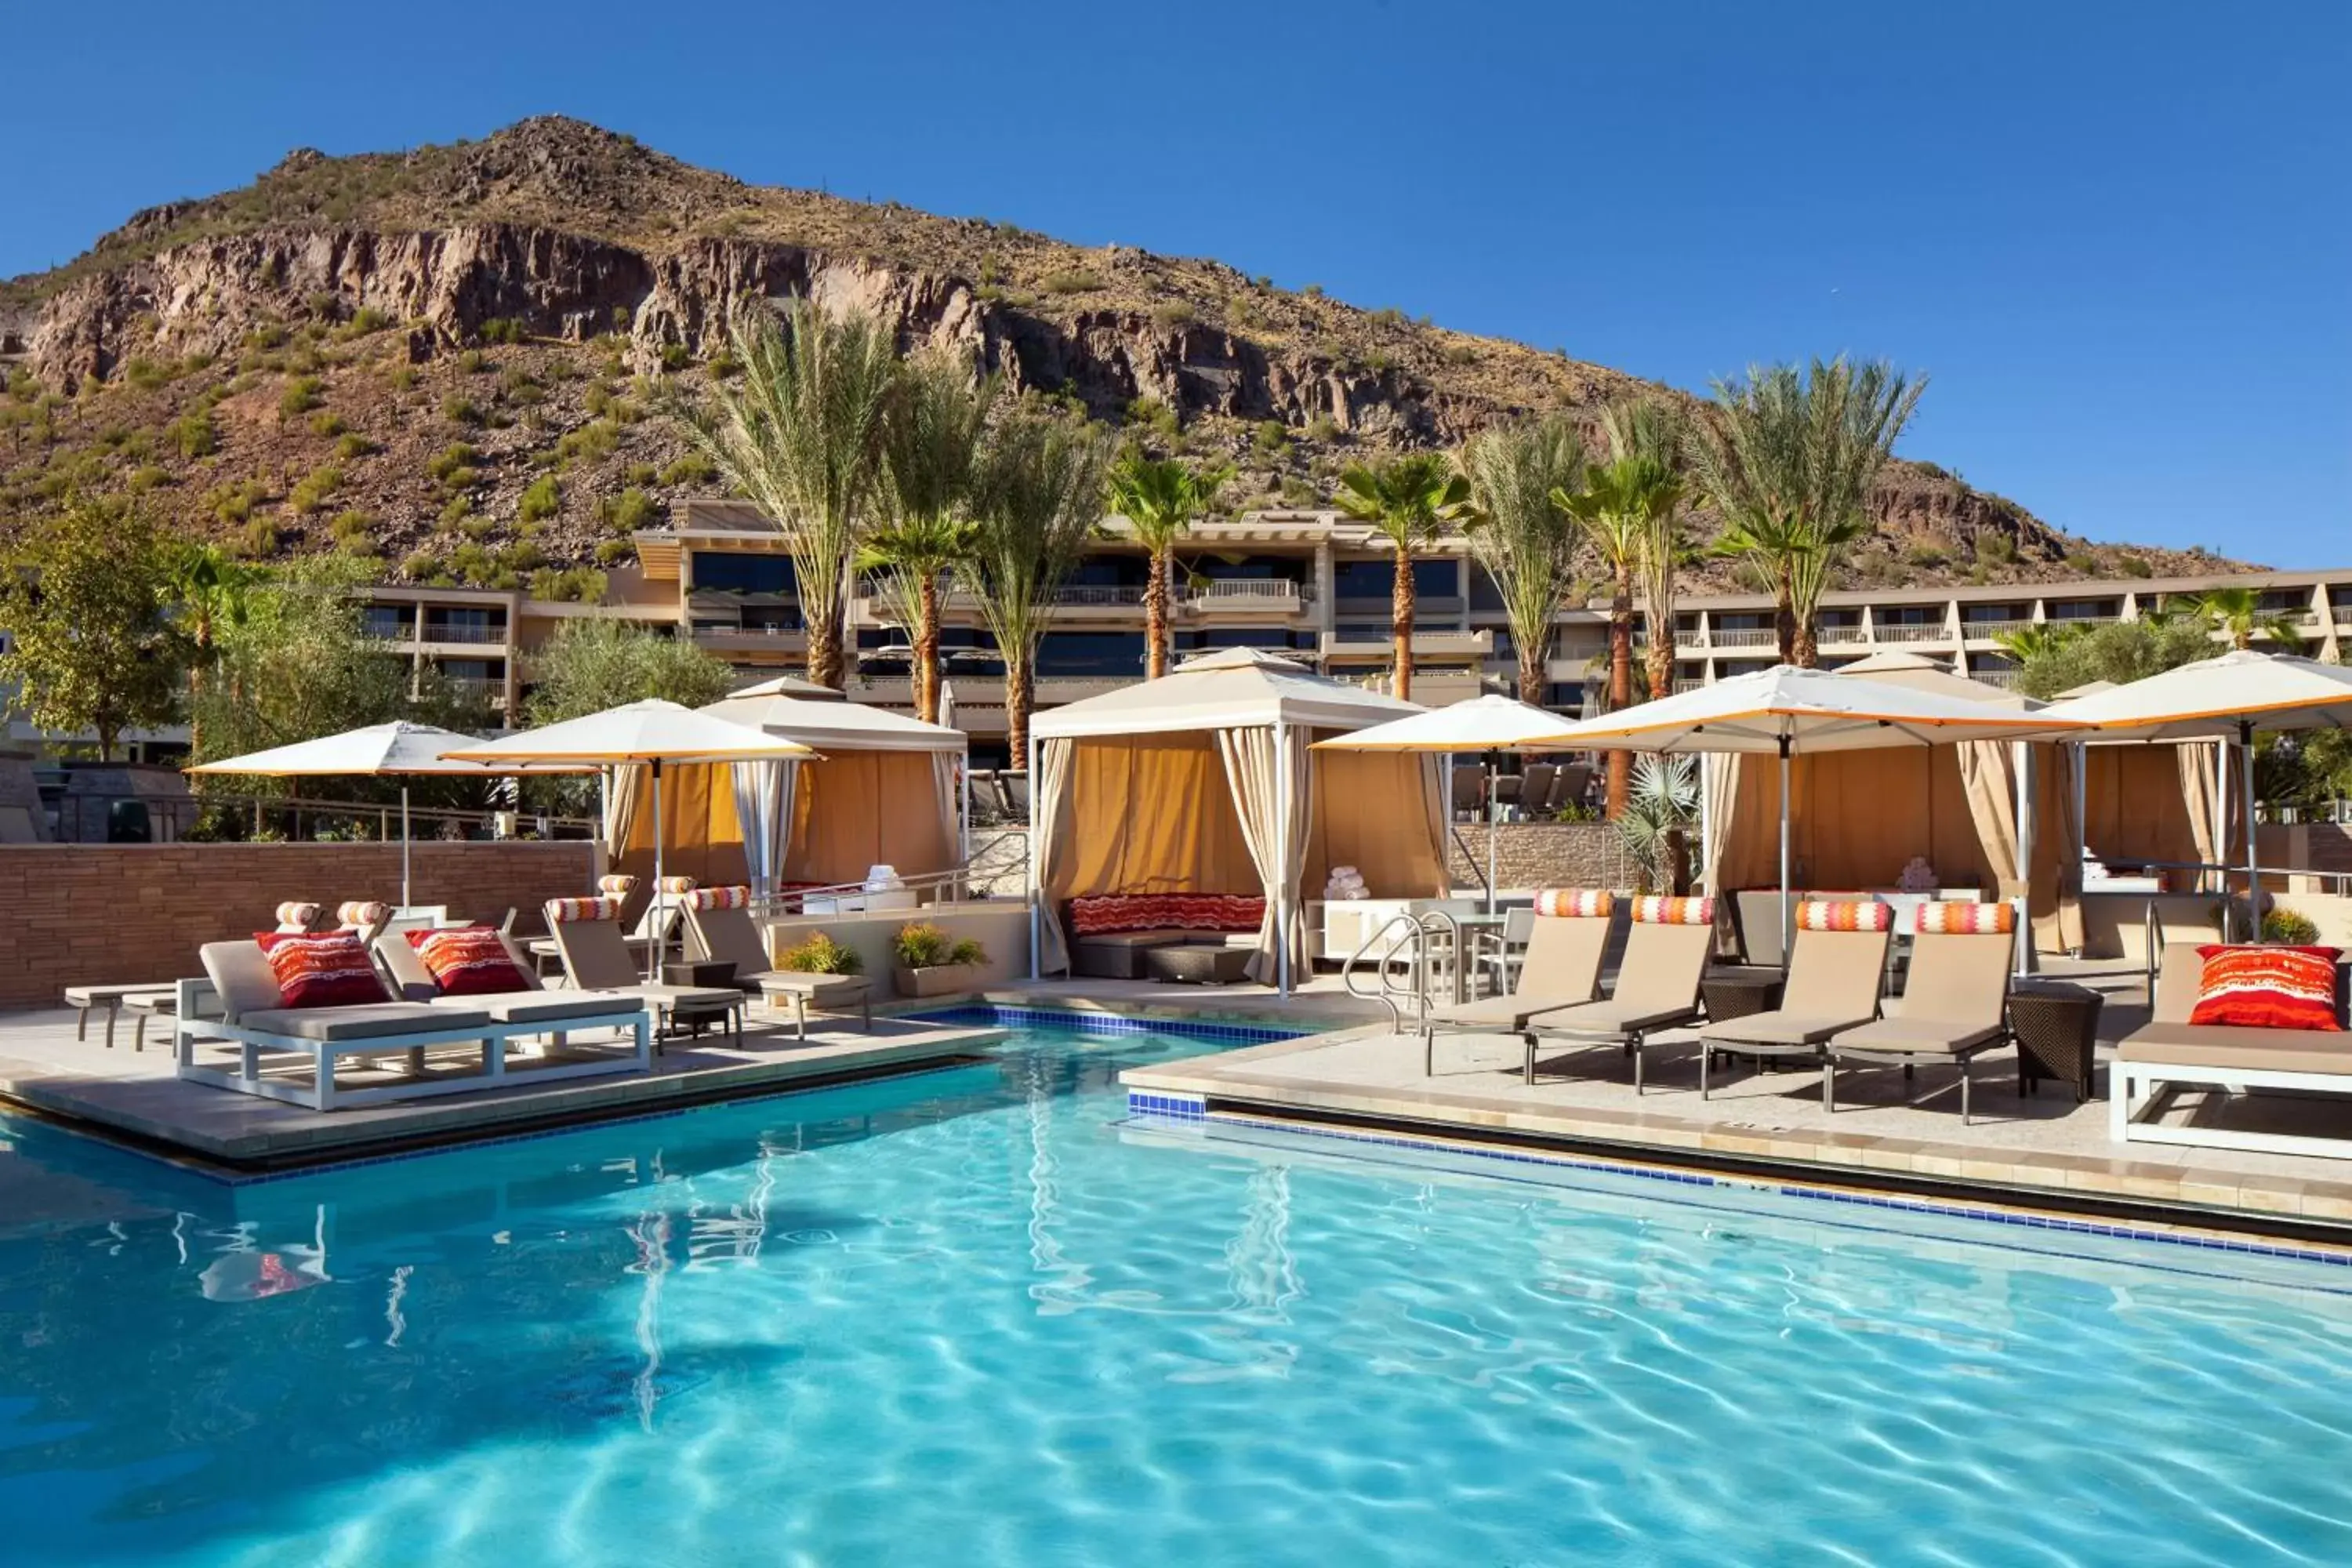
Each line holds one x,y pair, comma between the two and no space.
1192,1110
982,1013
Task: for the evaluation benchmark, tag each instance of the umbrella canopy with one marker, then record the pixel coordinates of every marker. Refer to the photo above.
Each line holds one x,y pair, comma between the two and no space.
843,726
1785,710
2226,698
1920,673
1235,688
1489,724
650,732
794,686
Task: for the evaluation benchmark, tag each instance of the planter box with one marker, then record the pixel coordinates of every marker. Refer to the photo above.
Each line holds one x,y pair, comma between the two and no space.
941,980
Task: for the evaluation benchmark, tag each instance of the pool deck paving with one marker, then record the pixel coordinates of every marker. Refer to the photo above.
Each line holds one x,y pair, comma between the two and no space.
1887,1132
44,1069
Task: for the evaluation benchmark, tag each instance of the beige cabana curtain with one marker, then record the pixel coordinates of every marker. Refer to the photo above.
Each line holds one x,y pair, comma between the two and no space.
701,837
2056,904
1274,801
1990,784
764,792
620,809
855,810
1384,814
1720,778
2201,792
1050,848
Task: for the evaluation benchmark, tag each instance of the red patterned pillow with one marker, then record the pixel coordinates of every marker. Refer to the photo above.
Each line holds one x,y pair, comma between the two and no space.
329,970
2268,988
468,961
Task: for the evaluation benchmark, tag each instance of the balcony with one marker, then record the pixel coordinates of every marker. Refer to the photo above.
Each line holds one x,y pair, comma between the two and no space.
1933,631
1828,637
478,688
1986,631
1278,596
463,632
1747,636
2005,679
1479,644
388,631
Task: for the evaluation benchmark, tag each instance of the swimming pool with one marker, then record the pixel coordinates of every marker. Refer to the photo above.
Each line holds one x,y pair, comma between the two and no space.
977,1317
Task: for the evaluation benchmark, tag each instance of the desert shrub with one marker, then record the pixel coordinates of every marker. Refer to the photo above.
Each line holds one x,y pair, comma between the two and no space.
148,477
1299,493
543,499
145,374
459,409
1074,281
327,422
420,564
1172,314
366,320
503,330
620,318
268,335
403,379
628,512
301,395
590,443
820,954
310,492
354,445
233,504
640,474
192,433
923,945
350,525
1270,439
1322,427
1152,414
674,356
723,363
612,551
577,585
2133,566
694,468
1389,315
258,540
1312,291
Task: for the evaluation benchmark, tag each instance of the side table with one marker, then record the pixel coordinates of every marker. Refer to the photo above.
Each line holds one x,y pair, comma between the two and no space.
2056,1026
1736,991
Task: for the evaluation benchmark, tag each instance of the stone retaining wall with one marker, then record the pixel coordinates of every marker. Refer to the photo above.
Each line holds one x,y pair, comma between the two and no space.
1544,855
89,913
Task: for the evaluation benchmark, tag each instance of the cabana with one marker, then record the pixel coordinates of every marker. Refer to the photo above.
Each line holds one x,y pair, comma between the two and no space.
1203,783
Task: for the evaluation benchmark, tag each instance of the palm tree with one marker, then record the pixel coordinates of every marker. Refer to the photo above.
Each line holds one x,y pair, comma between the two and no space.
1655,431
800,433
1520,534
2238,615
2038,641
1620,508
1409,499
931,443
1037,504
213,590
1161,498
1789,458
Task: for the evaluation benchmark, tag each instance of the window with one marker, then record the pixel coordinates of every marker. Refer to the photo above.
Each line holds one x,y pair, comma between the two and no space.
1111,571
1742,621
1242,637
1484,594
1090,654
1907,616
1978,615
2083,609
389,621
728,572
1249,568
1374,579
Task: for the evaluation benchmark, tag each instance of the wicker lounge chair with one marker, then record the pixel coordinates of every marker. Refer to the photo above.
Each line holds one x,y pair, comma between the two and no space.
1835,969
1667,954
1953,1007
1562,965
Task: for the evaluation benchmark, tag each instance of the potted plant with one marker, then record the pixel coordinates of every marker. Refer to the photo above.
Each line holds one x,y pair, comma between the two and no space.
931,963
820,954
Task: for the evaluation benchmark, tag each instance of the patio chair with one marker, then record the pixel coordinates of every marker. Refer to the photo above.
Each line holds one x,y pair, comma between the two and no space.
1666,952
1507,795
1507,950
404,970
1469,793
1563,965
1835,972
1535,788
1954,1007
718,927
365,916
596,957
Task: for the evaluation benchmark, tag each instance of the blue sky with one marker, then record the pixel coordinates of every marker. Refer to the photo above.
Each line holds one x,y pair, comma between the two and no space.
2114,233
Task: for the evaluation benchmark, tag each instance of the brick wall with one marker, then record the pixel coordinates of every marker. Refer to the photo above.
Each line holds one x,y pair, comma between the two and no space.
1545,855
76,913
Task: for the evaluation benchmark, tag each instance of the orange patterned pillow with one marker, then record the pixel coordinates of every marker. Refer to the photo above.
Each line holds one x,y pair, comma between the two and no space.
1582,903
2268,988
1656,911
1949,919
1845,914
468,961
329,970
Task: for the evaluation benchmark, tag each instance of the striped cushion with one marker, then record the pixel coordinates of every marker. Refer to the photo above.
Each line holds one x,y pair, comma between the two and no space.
329,970
2268,988
619,885
1655,910
468,961
1845,914
564,912
1587,904
738,897
1106,914
675,885
293,917
1963,918
360,913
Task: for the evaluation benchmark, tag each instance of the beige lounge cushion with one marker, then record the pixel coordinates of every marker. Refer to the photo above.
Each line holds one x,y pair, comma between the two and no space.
365,1023
540,1007
1779,1027
2255,1050
817,986
1918,1036
1510,1014
242,977
1611,1016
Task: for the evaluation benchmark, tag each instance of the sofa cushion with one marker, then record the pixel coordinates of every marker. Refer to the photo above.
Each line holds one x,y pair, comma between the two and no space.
387,1020
1098,914
2267,987
2252,1050
468,961
329,970
543,1006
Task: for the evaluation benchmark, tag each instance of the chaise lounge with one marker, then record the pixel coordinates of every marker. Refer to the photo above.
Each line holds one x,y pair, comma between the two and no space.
1836,969
1667,954
1561,966
1954,1004
718,927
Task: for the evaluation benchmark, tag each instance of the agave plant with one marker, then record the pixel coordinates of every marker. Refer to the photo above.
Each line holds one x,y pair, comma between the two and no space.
1659,809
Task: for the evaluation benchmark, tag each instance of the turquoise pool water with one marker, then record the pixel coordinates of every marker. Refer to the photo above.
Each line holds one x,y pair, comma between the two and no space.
970,1318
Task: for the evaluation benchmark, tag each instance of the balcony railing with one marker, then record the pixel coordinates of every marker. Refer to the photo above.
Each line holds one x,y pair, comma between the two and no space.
2002,678
1934,631
724,629
388,631
1747,636
1247,592
442,631
1856,632
1996,628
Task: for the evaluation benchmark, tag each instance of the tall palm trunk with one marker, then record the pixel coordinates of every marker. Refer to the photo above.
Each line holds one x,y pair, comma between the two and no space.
927,648
1784,611
1808,650
1620,682
1659,663
824,660
1155,617
1534,654
1020,696
1400,606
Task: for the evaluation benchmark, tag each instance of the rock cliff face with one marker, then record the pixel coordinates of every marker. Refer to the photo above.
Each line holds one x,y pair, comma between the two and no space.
369,302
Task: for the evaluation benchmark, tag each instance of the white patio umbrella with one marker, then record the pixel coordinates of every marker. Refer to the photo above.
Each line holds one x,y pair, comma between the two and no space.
397,749
2226,698
650,733
1491,723
1785,710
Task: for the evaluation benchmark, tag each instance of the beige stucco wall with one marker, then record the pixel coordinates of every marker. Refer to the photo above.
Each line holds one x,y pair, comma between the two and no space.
1003,927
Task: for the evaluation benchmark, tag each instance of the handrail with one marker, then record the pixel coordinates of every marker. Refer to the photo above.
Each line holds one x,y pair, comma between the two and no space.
949,885
1388,993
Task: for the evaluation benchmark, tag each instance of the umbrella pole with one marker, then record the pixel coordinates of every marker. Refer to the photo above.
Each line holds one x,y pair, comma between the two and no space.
2253,872
1494,815
661,910
405,898
1787,935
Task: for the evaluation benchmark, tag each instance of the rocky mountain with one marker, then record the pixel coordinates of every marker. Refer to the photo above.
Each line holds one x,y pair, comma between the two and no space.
457,360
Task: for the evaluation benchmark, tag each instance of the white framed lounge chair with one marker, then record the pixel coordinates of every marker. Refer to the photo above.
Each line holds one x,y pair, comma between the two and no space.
1955,1005
1836,968
1562,965
1667,949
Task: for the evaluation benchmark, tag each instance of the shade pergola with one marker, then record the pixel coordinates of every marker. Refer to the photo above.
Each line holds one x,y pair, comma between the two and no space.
399,749
1786,712
885,793
1203,778
793,685
1489,724
2232,696
651,733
